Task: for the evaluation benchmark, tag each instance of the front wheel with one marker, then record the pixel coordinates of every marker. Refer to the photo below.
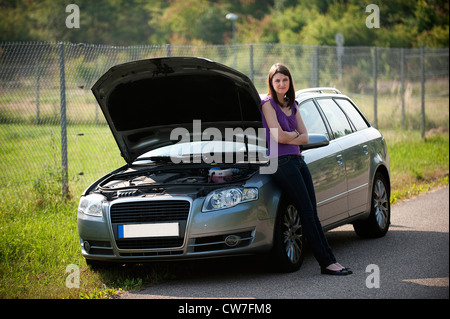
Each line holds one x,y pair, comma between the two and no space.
289,242
379,219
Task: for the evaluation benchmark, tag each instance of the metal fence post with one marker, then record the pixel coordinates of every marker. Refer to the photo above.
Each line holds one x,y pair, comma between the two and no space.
402,81
38,89
96,77
375,111
422,90
315,67
251,62
62,90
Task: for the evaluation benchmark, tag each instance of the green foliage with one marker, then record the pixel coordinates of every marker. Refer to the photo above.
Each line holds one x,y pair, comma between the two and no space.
403,23
211,24
290,22
418,165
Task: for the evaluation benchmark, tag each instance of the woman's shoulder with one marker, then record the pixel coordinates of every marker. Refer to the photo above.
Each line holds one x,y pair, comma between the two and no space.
267,105
267,101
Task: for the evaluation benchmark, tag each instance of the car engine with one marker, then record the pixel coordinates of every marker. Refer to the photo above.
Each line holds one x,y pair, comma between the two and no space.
140,182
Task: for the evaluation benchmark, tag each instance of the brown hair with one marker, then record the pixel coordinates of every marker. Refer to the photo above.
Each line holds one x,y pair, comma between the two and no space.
290,94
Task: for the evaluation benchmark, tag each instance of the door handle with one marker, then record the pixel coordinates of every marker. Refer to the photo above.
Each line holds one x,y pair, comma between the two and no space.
365,149
339,159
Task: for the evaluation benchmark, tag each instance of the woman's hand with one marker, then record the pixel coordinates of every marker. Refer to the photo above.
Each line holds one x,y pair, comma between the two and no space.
298,139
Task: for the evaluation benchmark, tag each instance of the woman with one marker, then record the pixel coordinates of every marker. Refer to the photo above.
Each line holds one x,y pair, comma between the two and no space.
285,127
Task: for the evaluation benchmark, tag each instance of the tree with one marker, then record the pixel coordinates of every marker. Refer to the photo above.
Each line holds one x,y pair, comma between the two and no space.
404,23
290,22
212,26
14,20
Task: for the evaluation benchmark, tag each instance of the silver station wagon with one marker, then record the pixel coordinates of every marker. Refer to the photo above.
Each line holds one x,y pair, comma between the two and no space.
197,181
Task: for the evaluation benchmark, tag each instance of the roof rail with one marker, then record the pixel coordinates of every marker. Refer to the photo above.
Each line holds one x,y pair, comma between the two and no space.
318,90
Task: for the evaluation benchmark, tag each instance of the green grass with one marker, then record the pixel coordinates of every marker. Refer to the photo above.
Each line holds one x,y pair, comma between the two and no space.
417,164
38,231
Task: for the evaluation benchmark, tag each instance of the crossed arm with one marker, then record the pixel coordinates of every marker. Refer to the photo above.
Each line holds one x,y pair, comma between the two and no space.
297,137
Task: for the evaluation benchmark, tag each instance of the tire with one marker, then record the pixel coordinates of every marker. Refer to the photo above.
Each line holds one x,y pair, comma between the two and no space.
289,242
377,224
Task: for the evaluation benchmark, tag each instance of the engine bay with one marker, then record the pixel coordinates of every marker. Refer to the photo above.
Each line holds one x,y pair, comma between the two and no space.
165,179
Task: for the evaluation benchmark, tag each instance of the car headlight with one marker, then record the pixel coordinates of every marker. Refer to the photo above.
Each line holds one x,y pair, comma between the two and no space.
229,197
92,205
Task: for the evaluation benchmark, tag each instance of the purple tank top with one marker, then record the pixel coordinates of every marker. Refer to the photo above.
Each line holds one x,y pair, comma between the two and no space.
287,123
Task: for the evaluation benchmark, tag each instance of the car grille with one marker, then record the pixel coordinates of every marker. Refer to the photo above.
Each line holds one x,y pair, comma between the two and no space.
149,211
153,211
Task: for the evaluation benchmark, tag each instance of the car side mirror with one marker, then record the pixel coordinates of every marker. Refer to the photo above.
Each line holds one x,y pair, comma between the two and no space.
315,141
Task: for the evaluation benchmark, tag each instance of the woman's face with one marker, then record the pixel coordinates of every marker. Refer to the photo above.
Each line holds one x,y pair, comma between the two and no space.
280,83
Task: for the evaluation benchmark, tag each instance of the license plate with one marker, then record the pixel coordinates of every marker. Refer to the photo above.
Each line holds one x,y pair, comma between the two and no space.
148,230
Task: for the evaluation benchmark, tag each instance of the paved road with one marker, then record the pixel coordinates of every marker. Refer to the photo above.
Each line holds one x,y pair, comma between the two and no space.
412,261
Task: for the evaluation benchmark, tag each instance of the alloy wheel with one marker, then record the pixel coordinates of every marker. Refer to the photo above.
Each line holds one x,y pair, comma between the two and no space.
380,204
292,234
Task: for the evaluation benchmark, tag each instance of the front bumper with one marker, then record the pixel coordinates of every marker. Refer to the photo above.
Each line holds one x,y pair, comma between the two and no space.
243,229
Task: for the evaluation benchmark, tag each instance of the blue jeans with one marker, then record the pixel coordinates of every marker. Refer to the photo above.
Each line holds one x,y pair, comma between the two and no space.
294,178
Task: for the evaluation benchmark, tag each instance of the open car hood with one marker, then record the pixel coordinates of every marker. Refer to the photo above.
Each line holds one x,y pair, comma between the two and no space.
144,101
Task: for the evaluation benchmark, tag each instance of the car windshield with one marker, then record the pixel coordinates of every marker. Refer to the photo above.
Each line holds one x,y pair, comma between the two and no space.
206,152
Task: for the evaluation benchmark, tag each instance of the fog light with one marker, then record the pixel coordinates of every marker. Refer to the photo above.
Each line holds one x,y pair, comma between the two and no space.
232,240
86,246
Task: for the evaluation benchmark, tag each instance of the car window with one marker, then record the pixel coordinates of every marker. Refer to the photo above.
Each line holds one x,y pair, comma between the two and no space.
358,121
312,119
336,118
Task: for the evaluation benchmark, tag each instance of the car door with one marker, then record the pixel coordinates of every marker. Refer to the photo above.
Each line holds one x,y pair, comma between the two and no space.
326,167
355,153
356,158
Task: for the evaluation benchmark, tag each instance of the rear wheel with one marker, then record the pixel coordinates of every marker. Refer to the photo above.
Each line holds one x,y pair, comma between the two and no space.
379,219
289,243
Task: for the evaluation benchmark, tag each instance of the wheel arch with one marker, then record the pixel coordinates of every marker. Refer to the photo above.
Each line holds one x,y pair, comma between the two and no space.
382,169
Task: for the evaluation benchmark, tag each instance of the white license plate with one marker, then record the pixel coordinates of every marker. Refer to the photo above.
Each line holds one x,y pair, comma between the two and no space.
148,230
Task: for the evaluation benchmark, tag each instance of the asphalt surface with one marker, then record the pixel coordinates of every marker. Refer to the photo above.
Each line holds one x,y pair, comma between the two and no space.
410,262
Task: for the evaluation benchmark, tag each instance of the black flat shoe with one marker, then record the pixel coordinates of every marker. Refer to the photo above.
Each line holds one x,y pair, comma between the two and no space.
342,272
349,270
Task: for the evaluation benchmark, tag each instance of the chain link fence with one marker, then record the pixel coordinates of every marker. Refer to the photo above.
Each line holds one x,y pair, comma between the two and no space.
51,124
